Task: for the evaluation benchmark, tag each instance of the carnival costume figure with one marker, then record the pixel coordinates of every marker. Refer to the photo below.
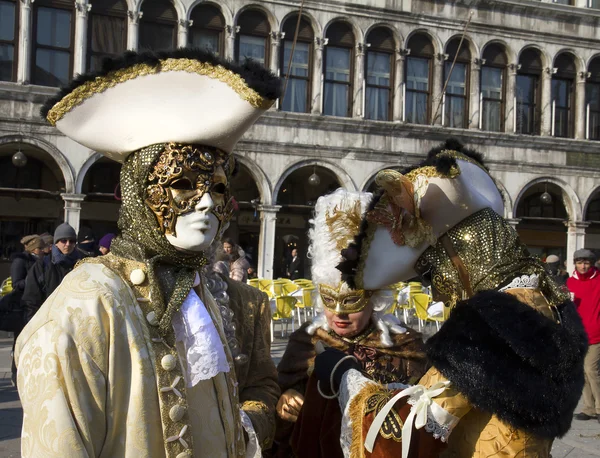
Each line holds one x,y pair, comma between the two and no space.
350,320
507,365
139,353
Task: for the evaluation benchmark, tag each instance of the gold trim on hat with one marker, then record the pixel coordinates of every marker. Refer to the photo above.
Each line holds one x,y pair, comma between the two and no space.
102,83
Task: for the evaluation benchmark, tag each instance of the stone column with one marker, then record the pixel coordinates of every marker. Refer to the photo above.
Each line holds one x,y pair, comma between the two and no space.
475,90
73,208
182,32
398,102
546,102
436,90
575,240
510,107
580,111
276,38
82,8
317,77
133,29
230,32
266,241
24,49
358,96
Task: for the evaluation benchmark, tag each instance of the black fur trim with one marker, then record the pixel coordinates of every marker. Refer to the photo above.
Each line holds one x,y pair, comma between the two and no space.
509,360
256,76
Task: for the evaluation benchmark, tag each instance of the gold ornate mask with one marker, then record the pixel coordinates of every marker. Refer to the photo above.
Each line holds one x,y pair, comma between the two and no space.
181,176
353,301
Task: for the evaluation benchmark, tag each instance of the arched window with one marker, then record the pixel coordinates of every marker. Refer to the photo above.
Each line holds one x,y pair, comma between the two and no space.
8,39
107,31
379,74
528,109
52,42
208,26
563,96
297,92
158,26
493,75
592,100
418,79
252,41
456,107
339,62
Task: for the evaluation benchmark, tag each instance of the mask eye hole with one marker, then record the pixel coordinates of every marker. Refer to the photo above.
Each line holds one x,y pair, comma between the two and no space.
351,300
219,188
328,300
183,184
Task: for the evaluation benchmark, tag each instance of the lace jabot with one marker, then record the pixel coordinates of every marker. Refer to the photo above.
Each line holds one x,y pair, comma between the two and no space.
204,351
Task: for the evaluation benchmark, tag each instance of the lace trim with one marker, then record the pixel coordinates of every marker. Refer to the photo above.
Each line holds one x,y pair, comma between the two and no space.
524,281
193,327
437,430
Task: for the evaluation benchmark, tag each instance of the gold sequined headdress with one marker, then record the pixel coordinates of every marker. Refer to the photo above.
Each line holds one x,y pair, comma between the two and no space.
413,209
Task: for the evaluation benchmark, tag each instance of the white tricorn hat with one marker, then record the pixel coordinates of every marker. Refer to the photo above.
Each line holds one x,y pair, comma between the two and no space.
183,96
414,210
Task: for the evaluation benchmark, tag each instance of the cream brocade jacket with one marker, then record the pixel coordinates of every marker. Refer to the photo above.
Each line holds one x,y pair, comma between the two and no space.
96,380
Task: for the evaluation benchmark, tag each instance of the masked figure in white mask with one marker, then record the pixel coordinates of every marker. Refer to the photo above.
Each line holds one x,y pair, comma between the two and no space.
139,353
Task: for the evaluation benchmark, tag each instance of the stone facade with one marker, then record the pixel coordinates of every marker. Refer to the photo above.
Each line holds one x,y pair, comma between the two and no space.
353,149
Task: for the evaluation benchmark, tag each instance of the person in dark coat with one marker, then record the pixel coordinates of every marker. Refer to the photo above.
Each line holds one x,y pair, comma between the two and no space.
558,275
294,269
21,263
86,243
46,274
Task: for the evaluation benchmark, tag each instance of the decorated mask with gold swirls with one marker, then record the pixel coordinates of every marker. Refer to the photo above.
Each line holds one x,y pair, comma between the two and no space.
342,300
182,175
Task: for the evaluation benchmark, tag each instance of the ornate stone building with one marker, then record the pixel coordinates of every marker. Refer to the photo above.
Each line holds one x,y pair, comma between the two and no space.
372,84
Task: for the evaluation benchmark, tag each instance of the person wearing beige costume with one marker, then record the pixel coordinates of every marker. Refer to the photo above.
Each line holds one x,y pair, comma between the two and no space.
143,352
507,365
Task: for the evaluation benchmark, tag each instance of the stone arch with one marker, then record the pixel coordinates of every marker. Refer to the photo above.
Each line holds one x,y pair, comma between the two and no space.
545,58
570,198
224,9
260,178
177,4
84,170
342,176
579,62
358,33
437,43
595,193
511,56
590,60
53,151
398,39
273,23
315,24
473,48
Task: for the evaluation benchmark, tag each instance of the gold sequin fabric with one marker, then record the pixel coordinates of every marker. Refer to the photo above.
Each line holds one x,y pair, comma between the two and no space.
142,240
100,84
493,255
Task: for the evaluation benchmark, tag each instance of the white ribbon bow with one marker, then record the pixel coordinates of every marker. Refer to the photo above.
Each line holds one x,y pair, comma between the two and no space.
418,413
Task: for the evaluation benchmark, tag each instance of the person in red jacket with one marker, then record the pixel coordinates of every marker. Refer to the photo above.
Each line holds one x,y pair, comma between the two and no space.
584,286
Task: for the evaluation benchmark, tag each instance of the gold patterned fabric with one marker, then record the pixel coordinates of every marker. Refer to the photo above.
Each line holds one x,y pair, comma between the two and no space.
491,252
97,379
